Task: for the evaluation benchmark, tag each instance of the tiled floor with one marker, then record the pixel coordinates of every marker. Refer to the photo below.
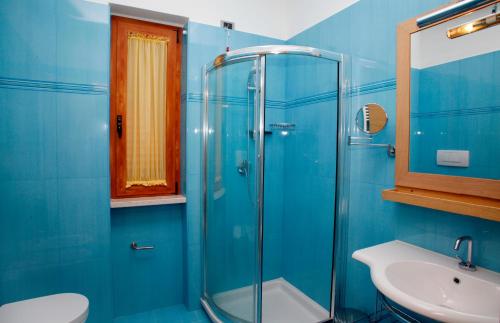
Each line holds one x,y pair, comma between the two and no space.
172,314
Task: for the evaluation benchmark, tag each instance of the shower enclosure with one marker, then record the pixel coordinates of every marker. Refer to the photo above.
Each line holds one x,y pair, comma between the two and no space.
274,129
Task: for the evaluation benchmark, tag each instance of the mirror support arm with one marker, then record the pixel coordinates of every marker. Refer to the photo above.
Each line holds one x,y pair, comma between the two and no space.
361,141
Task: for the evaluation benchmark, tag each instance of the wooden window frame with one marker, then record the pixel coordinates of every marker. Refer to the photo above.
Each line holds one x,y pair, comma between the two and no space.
120,28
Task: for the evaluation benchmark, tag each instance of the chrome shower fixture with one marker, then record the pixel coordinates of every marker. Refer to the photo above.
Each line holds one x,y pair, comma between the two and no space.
282,126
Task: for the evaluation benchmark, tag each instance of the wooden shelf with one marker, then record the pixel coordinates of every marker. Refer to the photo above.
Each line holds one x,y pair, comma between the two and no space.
455,203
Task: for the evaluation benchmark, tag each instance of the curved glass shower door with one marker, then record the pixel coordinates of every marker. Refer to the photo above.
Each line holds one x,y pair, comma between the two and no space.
231,210
278,111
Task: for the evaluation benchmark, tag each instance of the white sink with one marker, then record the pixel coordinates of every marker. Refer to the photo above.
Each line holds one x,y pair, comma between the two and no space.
431,284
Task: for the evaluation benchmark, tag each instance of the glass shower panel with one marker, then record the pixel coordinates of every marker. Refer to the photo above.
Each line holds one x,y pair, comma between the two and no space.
231,197
299,188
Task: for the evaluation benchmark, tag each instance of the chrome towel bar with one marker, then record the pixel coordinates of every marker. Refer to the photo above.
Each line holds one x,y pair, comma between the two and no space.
362,141
135,246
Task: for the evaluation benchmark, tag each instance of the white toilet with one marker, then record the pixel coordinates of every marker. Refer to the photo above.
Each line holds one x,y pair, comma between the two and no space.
58,308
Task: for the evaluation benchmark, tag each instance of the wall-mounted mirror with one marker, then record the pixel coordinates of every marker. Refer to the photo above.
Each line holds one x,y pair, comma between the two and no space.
448,110
371,118
455,96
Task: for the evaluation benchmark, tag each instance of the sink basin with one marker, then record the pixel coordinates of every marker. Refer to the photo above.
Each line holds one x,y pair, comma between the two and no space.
431,284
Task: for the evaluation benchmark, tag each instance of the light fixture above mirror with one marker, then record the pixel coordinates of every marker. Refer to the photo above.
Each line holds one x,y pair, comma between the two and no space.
475,25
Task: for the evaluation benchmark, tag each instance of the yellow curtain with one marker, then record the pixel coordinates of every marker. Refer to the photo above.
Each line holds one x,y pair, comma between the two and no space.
146,110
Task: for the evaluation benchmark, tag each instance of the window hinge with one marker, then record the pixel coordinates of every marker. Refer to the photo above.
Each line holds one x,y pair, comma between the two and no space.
177,33
176,187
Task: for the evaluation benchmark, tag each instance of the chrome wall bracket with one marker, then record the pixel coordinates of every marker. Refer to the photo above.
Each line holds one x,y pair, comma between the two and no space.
387,310
366,141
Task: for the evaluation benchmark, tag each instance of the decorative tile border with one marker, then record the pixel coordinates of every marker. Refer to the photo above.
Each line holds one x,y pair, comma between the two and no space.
276,104
192,97
381,86
322,97
373,87
195,97
37,85
50,86
456,112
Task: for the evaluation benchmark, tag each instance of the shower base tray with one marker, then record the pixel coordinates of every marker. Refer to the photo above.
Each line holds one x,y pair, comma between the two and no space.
281,303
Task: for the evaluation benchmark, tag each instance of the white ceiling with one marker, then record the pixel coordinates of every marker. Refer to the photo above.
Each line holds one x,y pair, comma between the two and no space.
280,19
302,14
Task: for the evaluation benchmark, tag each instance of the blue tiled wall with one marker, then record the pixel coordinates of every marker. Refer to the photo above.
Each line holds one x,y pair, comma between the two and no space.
274,194
274,191
457,108
54,181
150,279
309,198
309,164
366,31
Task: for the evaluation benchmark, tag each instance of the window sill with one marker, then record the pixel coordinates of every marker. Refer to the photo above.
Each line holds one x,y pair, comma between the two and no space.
147,201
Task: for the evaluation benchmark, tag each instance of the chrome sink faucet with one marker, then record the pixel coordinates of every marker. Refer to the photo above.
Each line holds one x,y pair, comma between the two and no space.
465,265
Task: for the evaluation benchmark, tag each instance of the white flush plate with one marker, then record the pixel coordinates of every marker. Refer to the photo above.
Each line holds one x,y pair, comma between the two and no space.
453,158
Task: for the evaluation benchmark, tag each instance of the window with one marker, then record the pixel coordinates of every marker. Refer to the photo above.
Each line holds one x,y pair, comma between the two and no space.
145,108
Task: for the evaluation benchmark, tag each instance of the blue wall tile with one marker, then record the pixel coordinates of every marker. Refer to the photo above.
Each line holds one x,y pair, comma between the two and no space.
57,41
438,230
456,107
54,178
83,119
28,39
28,135
150,279
366,32
274,193
82,37
309,181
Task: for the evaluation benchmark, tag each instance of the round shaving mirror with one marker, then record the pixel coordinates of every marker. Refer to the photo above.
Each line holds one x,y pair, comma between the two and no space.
371,118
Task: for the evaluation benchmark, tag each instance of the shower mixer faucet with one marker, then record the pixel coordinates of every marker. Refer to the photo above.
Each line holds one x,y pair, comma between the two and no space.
242,168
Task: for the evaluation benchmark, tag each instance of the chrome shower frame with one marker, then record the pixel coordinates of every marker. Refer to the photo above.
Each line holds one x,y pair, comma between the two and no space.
259,53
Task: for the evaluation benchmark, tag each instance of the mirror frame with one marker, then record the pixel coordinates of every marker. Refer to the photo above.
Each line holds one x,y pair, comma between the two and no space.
488,188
